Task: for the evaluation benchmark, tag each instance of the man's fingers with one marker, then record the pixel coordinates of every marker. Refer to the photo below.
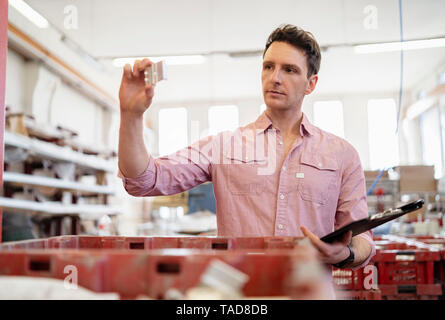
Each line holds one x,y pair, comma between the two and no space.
320,245
127,71
145,64
136,68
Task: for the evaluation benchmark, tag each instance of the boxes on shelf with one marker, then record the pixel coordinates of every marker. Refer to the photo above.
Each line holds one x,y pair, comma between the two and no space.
416,179
373,174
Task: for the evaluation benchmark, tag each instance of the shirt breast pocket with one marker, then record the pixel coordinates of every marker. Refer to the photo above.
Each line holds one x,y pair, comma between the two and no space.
243,175
317,175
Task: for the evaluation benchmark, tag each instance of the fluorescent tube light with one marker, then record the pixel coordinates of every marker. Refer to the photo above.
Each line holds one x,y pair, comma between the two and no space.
170,60
32,15
397,46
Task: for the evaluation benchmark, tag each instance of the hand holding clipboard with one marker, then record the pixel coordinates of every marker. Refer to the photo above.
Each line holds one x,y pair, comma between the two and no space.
375,220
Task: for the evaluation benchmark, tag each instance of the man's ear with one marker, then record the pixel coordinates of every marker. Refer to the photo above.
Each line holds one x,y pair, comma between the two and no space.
311,84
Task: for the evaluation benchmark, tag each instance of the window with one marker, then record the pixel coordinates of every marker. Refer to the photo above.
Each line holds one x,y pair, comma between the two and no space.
172,130
223,118
431,141
442,77
328,115
382,124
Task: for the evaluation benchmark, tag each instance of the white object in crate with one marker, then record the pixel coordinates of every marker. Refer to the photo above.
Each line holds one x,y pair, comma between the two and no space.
155,73
224,278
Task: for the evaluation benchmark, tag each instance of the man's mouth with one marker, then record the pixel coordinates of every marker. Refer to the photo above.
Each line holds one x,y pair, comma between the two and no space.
275,92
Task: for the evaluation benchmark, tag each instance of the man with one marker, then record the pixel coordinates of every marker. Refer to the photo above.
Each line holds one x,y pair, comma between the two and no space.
278,176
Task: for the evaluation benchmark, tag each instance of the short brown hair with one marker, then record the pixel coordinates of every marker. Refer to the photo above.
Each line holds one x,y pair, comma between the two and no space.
300,39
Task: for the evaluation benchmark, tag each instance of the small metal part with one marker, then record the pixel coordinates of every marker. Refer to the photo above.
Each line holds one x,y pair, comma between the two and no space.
155,73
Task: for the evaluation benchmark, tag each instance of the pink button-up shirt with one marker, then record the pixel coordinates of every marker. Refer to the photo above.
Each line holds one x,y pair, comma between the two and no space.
259,191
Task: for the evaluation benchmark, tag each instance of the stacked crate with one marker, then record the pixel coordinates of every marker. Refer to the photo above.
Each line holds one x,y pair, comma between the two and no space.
281,267
408,268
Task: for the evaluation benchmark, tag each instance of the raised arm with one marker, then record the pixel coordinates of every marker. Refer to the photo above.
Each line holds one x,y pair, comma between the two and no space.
135,98
143,175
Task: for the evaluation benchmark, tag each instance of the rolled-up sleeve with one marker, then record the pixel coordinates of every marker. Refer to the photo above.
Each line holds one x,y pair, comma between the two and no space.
175,173
352,204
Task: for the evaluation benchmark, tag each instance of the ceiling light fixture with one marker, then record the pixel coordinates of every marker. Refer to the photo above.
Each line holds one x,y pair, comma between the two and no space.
397,46
32,15
170,60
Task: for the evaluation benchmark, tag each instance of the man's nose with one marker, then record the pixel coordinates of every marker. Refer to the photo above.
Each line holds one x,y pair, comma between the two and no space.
276,76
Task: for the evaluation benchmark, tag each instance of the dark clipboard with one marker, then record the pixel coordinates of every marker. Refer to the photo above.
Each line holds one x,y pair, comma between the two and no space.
375,220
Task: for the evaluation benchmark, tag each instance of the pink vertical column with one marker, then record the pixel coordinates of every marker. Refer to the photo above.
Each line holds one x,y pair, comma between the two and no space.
3,52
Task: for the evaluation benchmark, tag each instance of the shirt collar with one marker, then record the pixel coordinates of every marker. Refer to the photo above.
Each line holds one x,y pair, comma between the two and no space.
306,126
263,123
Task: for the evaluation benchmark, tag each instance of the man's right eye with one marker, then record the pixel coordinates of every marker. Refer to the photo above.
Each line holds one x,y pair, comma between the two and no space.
267,67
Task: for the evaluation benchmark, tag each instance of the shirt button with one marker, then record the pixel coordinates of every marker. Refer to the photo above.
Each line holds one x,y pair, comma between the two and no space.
284,168
280,226
281,196
319,164
281,142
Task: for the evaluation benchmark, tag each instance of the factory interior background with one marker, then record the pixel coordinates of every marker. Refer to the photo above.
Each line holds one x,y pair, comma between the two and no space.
64,65
64,69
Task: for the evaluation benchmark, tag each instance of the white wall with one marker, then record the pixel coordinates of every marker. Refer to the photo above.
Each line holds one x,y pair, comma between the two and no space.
74,111
412,134
28,86
15,75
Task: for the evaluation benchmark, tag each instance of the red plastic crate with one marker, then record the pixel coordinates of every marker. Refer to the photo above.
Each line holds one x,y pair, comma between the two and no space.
145,243
410,296
399,243
348,279
359,295
406,266
133,266
152,273
412,292
439,244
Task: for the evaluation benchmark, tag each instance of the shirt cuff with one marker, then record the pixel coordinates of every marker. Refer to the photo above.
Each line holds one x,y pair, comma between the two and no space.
138,186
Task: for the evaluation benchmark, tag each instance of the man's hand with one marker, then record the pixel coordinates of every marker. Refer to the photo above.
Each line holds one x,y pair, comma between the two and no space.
134,95
330,253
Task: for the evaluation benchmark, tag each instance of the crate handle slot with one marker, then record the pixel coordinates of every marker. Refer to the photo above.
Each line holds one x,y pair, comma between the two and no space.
405,256
39,265
219,245
406,289
172,268
137,245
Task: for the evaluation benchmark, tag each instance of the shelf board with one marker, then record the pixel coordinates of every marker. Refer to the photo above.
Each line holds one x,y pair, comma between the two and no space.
31,180
57,208
51,151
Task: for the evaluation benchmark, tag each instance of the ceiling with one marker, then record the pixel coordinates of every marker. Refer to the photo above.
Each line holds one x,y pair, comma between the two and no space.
118,28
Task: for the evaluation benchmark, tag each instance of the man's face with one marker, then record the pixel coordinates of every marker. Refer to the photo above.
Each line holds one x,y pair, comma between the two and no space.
284,76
